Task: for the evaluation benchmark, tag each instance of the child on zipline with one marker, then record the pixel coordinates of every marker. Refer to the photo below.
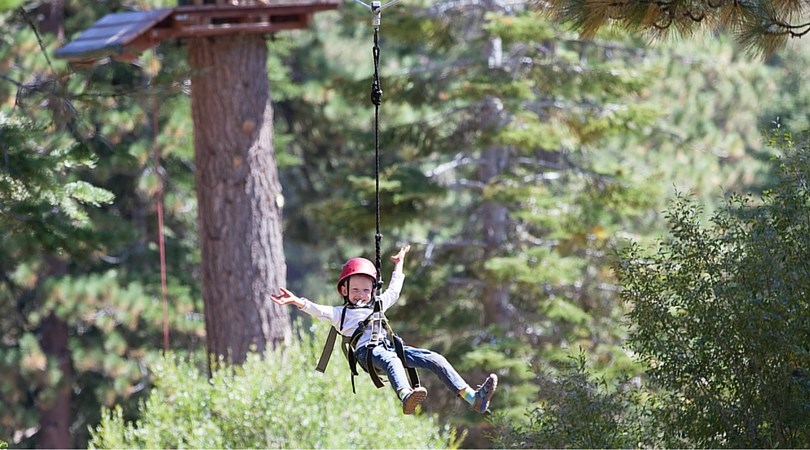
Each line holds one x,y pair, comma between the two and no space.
356,285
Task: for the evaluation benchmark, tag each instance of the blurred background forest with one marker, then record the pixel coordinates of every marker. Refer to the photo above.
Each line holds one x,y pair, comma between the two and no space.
523,164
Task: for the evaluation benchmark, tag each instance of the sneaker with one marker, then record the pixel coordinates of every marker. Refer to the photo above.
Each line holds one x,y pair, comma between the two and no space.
413,399
484,394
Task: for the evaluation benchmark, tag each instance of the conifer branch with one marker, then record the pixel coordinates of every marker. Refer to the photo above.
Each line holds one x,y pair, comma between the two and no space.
11,80
39,37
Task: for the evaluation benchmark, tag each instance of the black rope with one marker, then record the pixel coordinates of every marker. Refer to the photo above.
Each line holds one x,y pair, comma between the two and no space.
376,99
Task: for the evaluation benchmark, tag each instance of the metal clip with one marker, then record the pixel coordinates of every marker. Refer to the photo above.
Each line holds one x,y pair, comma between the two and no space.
376,8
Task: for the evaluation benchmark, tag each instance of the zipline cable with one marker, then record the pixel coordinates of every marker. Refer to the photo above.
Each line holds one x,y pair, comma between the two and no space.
376,8
376,98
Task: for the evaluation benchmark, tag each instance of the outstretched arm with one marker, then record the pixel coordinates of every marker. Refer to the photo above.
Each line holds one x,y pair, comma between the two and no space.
390,296
286,297
325,313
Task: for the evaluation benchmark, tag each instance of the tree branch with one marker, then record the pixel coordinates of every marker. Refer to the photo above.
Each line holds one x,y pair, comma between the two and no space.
11,80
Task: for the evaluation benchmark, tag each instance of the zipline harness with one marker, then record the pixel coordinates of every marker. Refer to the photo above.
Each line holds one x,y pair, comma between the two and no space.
376,318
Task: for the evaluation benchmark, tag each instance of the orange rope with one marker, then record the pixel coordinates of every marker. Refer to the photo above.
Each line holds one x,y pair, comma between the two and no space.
161,243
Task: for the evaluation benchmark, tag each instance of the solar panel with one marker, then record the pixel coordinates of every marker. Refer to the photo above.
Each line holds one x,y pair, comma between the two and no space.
111,34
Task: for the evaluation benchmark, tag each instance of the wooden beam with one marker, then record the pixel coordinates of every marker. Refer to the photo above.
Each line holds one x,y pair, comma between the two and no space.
192,29
274,9
236,28
126,35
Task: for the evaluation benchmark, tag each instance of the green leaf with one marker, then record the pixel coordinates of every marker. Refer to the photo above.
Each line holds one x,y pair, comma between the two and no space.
10,4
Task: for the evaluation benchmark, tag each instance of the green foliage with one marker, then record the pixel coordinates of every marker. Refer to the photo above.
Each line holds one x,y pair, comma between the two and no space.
10,4
40,199
714,104
578,411
573,143
721,317
589,137
761,26
520,29
278,401
77,189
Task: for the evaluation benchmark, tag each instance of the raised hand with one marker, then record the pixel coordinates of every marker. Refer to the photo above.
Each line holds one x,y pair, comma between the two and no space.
401,255
399,258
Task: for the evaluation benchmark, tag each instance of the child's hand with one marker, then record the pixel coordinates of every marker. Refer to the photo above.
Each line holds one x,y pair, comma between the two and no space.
399,257
286,297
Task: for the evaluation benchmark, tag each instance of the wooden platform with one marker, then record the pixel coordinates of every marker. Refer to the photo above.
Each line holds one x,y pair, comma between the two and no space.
126,35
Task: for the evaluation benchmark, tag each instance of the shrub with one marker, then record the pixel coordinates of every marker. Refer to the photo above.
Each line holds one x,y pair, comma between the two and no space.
577,411
278,401
721,316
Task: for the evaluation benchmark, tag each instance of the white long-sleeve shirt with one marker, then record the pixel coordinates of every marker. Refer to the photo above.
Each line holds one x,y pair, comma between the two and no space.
353,317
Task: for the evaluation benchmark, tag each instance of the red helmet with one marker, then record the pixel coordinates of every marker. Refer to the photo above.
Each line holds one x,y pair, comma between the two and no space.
357,266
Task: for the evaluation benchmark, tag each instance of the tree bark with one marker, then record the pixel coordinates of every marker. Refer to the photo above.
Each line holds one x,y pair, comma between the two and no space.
239,196
494,215
54,413
54,416
50,17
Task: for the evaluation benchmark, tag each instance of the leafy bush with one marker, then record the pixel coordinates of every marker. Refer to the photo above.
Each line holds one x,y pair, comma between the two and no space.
722,318
577,411
278,401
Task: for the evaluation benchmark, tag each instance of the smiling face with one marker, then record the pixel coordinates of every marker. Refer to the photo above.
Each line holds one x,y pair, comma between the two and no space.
359,289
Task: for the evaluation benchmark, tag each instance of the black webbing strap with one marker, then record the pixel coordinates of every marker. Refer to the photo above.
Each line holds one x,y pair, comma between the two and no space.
372,371
347,345
399,347
352,362
329,346
326,353
352,358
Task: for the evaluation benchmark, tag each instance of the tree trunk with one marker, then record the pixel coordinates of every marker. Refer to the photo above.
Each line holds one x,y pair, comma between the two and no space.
239,196
494,220
50,17
494,215
54,415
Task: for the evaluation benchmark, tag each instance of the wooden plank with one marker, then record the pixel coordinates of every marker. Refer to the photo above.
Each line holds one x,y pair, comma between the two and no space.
274,7
237,28
125,35
230,11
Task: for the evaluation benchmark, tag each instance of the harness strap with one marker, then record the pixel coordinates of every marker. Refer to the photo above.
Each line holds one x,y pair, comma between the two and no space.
372,372
399,347
377,321
352,362
348,343
326,353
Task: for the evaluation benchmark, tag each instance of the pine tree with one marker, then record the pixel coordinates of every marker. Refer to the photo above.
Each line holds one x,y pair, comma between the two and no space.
239,196
80,274
487,164
586,151
759,26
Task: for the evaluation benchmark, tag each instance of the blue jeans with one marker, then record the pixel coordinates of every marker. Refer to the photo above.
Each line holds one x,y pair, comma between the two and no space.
385,358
